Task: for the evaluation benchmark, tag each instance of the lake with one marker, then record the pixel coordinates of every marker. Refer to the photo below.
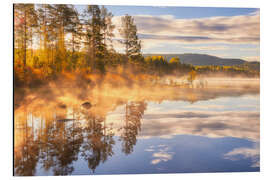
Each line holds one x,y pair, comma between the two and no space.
134,130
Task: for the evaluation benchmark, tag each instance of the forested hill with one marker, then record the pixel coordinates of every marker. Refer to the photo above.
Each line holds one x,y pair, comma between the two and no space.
203,59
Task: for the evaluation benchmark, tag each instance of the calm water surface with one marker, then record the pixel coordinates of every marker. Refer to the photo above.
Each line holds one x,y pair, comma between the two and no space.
207,132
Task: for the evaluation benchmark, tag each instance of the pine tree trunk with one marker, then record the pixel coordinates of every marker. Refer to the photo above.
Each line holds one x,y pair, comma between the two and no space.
24,42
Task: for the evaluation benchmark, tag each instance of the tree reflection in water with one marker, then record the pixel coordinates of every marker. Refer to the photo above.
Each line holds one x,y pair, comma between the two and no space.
26,155
133,116
55,141
98,141
56,127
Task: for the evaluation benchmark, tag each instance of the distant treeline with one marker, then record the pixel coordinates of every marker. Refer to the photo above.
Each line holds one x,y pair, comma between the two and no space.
50,40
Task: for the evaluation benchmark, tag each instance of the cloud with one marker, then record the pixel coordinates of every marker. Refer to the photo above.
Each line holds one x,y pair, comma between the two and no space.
251,58
250,49
211,124
225,118
237,28
161,154
253,153
149,150
174,38
154,30
176,115
208,48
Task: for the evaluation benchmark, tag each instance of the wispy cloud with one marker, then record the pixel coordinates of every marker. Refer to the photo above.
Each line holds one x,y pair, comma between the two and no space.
253,153
208,48
211,124
167,29
251,58
250,49
160,154
240,29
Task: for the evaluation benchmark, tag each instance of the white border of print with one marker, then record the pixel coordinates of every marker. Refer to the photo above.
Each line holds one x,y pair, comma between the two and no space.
6,128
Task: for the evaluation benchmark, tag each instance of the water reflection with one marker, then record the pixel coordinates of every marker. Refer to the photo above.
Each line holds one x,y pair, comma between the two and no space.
57,137
55,133
98,141
52,143
211,124
132,125
252,152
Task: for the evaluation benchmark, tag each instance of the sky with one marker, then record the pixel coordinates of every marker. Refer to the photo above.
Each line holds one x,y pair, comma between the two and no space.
222,32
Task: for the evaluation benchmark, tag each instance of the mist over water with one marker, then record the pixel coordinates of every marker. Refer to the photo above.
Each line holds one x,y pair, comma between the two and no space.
122,124
88,100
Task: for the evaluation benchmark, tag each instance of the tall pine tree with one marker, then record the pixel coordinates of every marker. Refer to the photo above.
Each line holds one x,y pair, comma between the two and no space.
130,39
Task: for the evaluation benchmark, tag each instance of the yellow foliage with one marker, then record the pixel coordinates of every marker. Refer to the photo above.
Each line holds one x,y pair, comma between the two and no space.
192,76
